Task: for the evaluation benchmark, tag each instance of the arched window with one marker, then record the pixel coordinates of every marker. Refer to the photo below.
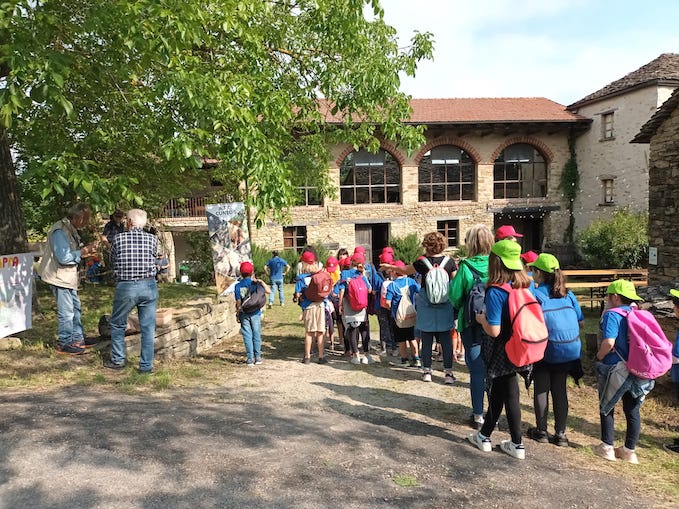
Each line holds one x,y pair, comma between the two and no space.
370,178
446,173
519,172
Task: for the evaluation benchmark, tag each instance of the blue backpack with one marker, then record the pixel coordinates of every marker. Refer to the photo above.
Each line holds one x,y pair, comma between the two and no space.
563,327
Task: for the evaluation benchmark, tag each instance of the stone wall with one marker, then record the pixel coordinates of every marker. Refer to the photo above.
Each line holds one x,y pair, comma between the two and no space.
334,223
194,328
664,202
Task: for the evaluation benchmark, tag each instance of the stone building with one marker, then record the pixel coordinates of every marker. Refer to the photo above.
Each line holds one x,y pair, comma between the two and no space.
662,133
613,172
493,160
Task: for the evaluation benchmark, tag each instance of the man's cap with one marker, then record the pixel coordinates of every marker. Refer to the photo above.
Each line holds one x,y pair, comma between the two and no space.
246,268
308,257
623,287
546,263
505,231
510,254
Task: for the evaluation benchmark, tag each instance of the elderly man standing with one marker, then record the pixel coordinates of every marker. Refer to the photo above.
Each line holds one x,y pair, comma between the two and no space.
59,269
134,261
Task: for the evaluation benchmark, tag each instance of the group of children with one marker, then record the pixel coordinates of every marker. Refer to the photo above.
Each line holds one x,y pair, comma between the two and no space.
420,304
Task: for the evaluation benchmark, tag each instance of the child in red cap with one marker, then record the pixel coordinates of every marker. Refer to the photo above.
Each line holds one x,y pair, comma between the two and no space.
250,322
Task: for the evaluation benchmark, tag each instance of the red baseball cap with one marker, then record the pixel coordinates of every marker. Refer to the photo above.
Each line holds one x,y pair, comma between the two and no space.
331,263
345,262
529,256
505,231
358,258
308,257
400,264
359,249
386,257
246,268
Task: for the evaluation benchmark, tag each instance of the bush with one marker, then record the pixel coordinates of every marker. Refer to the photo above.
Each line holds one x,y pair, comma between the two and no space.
621,242
406,248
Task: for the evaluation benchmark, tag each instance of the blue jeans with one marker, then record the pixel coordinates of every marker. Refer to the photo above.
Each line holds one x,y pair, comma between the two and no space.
276,283
251,329
477,370
144,296
69,326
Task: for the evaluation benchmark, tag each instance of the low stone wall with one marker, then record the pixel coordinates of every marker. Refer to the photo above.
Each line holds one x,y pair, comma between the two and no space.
196,327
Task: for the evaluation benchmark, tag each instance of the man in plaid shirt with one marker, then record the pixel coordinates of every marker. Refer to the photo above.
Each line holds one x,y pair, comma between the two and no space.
134,255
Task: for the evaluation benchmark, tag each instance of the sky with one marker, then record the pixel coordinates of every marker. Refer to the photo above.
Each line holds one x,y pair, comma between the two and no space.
559,49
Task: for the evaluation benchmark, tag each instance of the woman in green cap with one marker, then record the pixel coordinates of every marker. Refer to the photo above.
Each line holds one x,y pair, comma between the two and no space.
564,319
613,348
504,266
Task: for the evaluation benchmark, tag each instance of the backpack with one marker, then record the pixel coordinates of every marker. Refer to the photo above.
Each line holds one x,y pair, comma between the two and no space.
436,281
358,293
405,312
529,335
319,286
563,327
650,352
255,299
475,302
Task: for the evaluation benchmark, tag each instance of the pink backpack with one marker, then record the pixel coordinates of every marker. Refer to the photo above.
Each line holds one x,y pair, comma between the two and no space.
650,352
529,337
358,293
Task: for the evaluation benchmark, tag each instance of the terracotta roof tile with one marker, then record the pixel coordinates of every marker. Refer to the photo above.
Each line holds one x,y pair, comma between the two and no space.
481,110
665,67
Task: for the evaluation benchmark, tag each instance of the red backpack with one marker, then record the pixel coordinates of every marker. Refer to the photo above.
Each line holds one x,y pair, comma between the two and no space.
650,352
319,287
358,293
529,337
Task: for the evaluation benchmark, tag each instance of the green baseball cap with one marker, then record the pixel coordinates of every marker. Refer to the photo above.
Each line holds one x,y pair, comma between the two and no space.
624,288
674,293
545,262
509,252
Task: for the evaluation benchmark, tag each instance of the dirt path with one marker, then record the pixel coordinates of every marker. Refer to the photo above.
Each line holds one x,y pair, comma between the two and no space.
286,435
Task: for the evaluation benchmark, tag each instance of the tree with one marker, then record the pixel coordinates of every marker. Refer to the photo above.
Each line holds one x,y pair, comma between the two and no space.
115,103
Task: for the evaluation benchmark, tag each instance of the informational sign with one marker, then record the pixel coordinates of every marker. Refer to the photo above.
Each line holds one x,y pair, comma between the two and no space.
230,241
653,256
16,292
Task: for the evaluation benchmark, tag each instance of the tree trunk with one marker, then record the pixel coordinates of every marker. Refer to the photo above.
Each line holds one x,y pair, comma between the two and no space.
12,230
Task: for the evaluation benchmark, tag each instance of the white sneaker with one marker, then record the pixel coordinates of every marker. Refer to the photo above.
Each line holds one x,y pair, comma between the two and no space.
426,376
355,360
625,454
368,359
364,359
605,451
514,450
483,443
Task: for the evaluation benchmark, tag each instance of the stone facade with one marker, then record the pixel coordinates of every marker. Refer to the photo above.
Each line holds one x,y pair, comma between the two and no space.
615,158
336,224
664,201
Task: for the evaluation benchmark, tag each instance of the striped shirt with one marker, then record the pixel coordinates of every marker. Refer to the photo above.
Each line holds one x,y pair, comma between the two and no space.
134,254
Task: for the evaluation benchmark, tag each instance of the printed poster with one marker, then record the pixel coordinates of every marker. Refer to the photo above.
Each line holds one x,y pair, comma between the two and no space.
16,293
229,239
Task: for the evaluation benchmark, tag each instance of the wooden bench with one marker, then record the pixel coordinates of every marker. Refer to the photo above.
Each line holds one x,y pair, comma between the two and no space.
597,280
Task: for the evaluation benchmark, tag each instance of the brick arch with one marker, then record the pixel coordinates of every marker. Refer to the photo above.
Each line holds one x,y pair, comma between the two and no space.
388,146
538,144
449,140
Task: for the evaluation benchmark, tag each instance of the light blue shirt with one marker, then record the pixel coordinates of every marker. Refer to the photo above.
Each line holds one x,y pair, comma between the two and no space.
62,249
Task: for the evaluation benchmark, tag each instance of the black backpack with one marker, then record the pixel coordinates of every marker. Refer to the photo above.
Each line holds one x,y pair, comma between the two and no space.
475,298
255,299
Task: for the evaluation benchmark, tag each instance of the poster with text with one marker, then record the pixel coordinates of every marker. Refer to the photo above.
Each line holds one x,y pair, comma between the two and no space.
229,239
16,292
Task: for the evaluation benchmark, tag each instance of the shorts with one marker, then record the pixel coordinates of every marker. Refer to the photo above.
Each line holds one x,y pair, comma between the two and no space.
314,317
403,335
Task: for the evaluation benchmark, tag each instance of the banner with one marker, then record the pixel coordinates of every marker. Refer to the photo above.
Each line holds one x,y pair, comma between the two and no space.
229,239
16,293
